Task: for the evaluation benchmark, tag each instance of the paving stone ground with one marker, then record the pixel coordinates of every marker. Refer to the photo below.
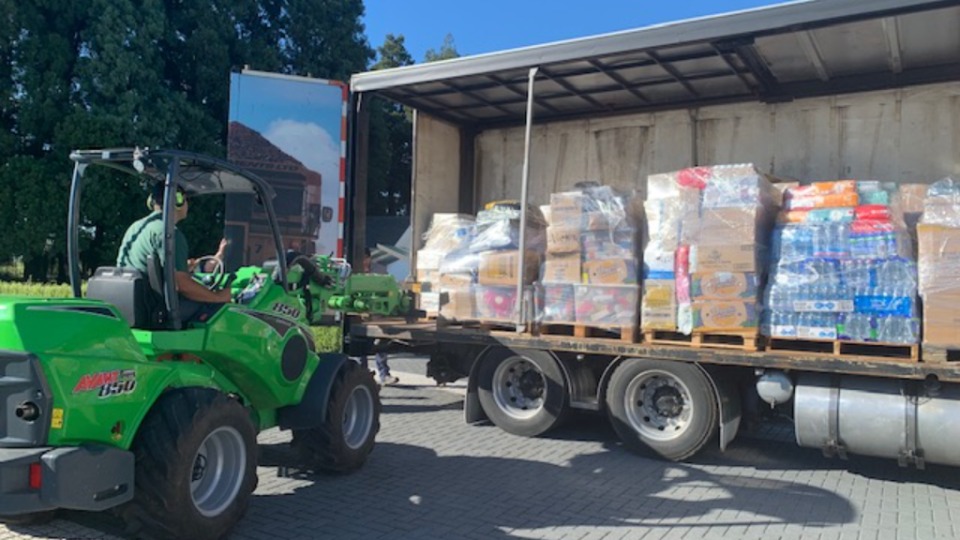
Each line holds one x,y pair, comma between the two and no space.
431,476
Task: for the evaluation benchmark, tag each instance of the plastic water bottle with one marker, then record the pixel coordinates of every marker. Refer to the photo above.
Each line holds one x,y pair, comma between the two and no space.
858,327
899,330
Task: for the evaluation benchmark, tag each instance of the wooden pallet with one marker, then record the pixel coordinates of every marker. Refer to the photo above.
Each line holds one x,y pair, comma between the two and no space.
884,351
626,334
741,341
940,355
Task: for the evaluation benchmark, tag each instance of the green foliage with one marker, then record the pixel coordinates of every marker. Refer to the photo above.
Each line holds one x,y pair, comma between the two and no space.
41,290
388,191
102,73
447,51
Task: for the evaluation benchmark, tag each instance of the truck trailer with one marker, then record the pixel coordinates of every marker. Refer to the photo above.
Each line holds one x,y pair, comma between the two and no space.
811,90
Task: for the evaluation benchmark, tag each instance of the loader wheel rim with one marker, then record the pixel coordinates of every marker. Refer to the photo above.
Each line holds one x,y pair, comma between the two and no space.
358,417
218,470
519,388
658,405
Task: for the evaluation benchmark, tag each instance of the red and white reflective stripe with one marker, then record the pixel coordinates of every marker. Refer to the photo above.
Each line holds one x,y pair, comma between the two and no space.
342,203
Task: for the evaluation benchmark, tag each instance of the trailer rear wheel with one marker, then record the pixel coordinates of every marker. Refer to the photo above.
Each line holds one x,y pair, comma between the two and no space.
668,408
522,391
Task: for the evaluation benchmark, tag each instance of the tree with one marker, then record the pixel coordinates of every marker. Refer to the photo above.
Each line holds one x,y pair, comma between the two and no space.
151,73
388,177
447,51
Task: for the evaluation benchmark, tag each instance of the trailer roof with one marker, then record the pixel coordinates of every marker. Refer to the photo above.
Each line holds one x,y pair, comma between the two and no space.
778,53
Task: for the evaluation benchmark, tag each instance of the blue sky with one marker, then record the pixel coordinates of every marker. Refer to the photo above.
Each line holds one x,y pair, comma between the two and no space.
480,26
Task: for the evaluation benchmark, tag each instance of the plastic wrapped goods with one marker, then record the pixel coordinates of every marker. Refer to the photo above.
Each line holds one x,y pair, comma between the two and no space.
606,305
847,279
556,303
497,304
498,227
938,242
448,232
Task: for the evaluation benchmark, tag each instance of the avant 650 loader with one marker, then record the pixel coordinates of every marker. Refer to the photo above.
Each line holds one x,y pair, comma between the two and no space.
111,401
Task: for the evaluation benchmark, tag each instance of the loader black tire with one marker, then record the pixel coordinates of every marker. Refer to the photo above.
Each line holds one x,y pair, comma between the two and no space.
348,433
174,496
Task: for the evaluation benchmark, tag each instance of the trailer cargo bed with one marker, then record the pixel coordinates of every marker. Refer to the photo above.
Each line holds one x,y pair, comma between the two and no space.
430,334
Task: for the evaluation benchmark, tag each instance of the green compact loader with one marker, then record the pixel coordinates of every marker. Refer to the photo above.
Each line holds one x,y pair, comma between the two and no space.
112,402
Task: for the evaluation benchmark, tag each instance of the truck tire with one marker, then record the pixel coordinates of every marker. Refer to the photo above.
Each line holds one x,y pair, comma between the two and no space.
667,408
522,391
196,466
349,431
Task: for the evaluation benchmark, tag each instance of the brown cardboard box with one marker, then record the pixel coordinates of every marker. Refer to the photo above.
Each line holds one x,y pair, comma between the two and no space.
456,281
938,260
459,304
610,272
720,225
428,276
566,208
561,268
725,258
500,267
912,197
563,239
941,320
937,240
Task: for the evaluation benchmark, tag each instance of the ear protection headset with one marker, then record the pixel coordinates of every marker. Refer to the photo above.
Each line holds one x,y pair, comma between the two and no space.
156,197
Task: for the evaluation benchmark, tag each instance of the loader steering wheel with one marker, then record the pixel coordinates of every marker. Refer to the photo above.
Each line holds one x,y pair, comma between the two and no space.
212,280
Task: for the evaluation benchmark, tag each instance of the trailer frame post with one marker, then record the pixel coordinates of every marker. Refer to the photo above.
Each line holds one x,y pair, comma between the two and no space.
524,188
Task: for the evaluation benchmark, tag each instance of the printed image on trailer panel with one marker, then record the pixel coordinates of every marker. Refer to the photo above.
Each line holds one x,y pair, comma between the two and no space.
290,132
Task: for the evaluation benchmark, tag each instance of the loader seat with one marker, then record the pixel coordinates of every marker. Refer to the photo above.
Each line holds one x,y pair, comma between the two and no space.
130,291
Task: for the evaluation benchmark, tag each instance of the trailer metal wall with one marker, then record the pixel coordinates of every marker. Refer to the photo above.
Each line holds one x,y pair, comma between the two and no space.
903,135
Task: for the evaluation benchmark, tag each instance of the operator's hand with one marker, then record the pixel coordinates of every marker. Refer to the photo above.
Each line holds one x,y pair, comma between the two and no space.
221,249
224,295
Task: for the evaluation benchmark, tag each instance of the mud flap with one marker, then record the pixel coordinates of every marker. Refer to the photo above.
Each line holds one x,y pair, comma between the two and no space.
728,400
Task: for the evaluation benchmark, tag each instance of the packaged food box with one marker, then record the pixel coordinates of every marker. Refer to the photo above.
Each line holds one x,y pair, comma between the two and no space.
720,315
500,267
610,272
566,209
724,258
616,244
658,310
724,286
607,305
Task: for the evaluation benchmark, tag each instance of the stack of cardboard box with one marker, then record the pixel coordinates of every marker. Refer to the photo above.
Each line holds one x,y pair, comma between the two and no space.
448,233
590,274
496,247
703,265
939,264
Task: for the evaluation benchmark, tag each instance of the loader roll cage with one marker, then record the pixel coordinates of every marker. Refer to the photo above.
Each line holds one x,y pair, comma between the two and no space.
193,173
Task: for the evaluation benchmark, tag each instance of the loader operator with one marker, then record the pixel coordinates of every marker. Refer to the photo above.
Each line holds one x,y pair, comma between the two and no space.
145,238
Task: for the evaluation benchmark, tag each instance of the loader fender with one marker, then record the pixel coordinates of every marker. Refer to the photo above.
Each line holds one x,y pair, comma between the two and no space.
312,409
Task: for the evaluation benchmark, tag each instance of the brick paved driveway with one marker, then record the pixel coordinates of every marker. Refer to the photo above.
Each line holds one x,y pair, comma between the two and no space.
432,476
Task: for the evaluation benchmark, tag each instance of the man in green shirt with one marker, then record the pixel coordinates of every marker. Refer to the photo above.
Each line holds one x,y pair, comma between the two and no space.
145,238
